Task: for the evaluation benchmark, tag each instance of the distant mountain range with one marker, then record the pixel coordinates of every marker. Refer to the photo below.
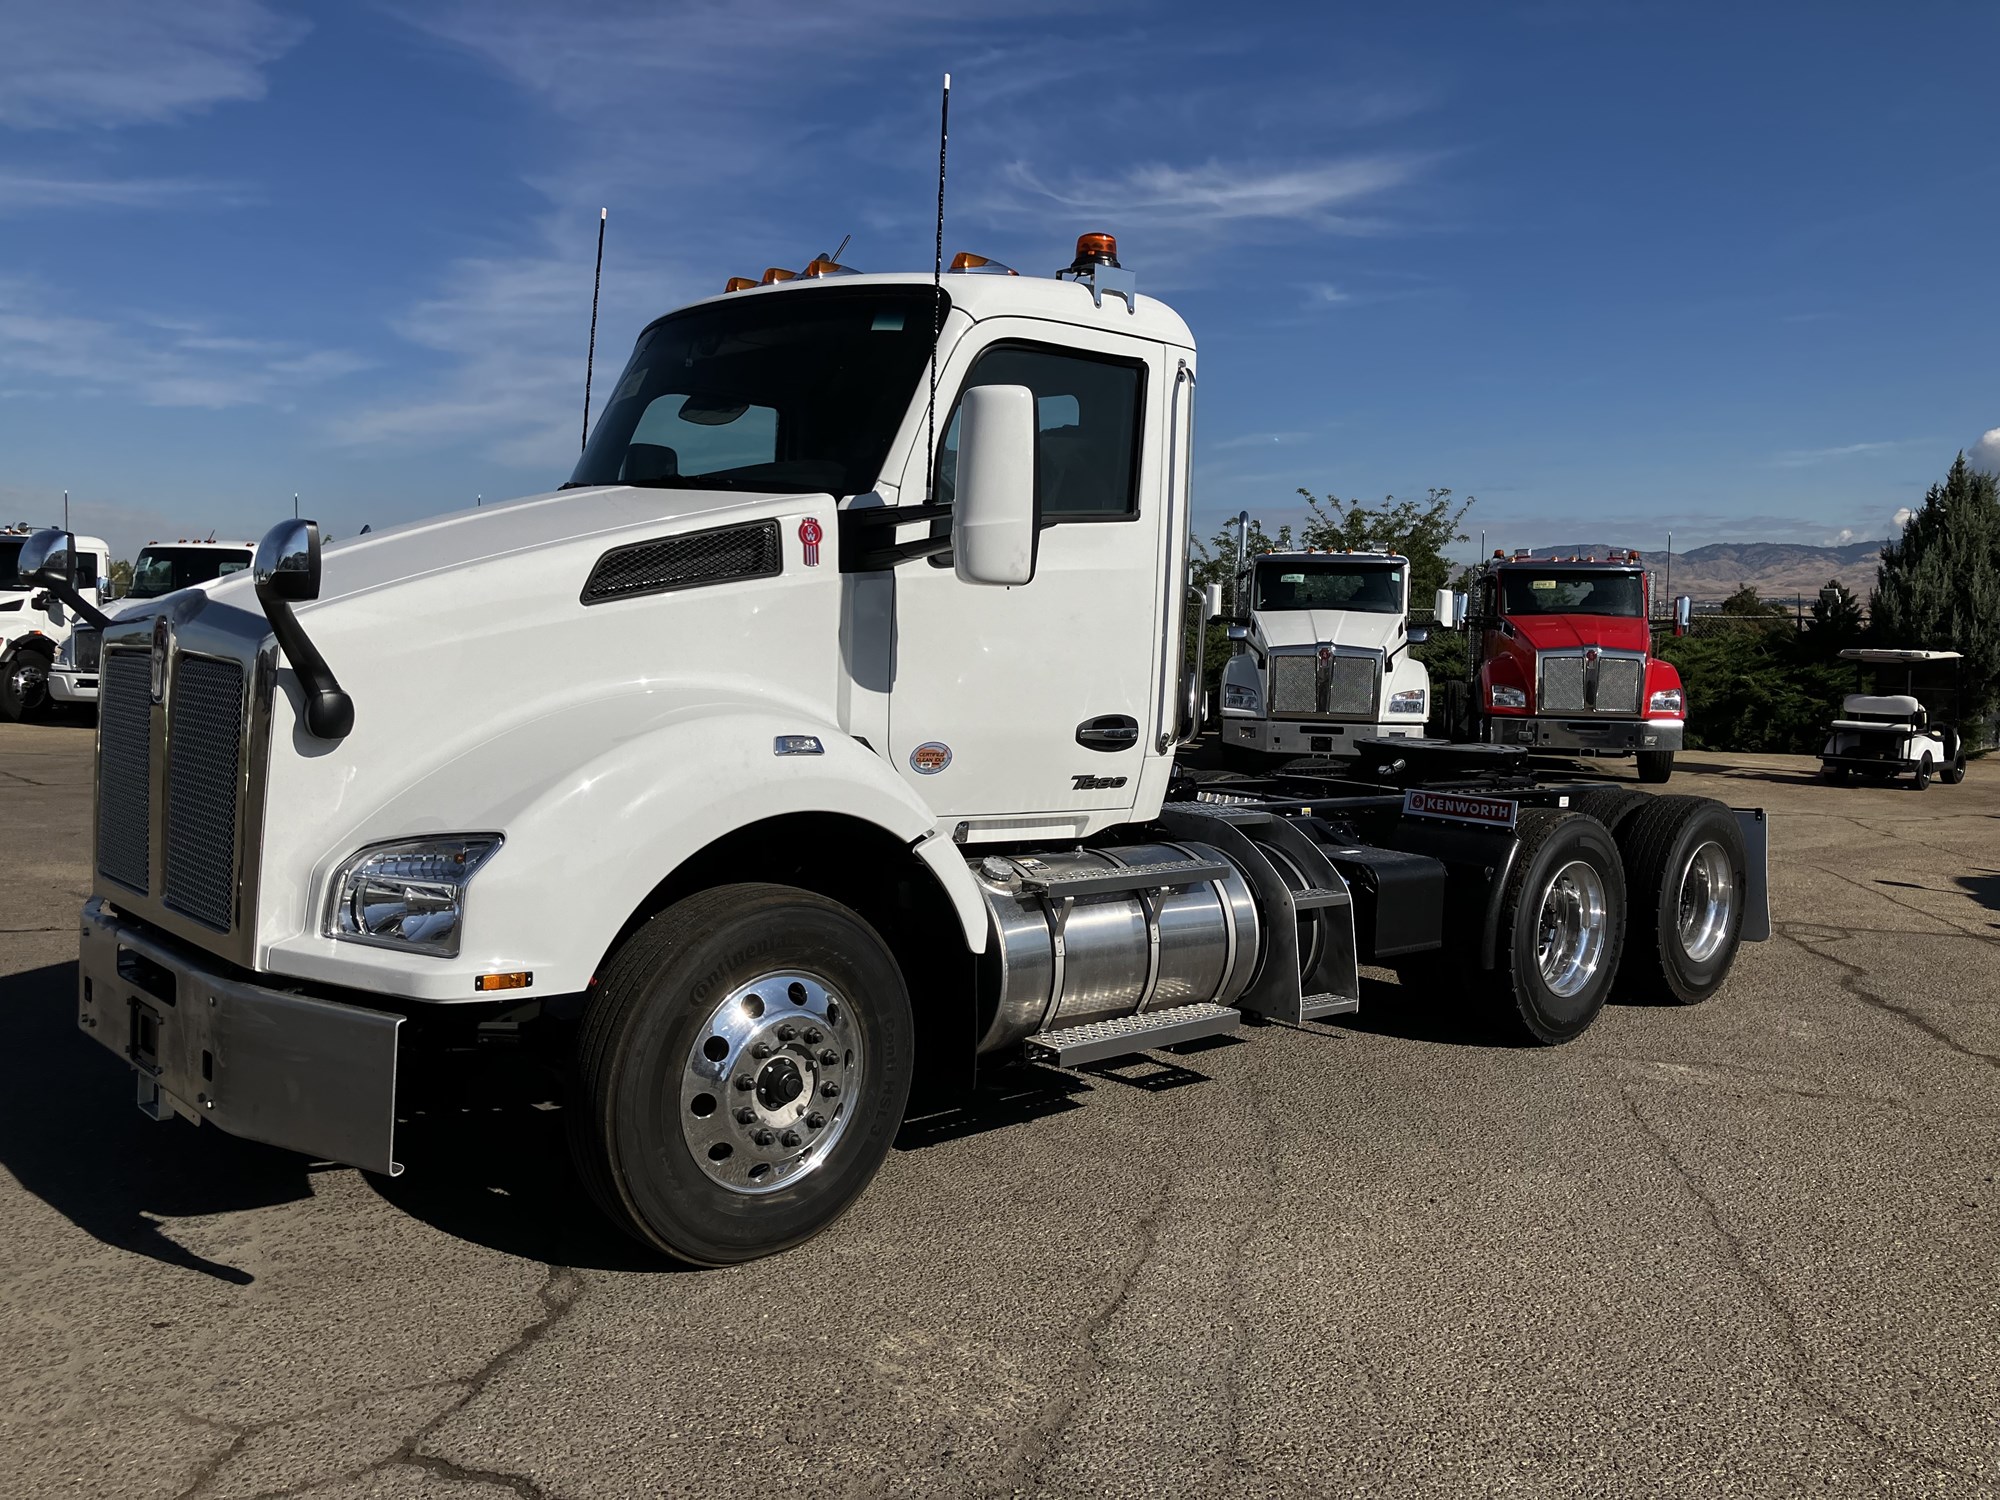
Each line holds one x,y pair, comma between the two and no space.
1776,570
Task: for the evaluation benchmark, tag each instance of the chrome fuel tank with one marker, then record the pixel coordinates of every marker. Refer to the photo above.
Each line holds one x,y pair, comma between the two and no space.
1061,961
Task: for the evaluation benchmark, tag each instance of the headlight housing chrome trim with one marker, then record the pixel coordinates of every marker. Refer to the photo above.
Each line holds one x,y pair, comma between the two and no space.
1240,699
407,894
1409,701
1502,696
1666,701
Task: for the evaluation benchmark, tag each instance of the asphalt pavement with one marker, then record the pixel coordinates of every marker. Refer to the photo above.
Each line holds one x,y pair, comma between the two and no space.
1748,1248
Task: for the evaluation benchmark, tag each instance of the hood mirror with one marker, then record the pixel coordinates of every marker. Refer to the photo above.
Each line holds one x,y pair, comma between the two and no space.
1446,609
287,563
1683,614
48,560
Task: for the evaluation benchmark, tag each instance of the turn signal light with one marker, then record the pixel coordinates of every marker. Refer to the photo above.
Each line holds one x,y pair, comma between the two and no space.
1095,250
821,266
520,979
775,274
738,284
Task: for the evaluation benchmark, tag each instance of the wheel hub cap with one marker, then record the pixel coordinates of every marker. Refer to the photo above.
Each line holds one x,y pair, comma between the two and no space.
1707,900
1570,942
769,1080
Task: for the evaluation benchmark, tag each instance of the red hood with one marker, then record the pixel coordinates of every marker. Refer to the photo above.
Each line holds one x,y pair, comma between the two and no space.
1566,632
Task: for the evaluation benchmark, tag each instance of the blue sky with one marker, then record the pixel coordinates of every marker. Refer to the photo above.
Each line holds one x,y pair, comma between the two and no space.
1616,269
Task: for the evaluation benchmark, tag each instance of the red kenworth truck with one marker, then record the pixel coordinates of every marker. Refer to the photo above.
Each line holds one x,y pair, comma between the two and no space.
1562,661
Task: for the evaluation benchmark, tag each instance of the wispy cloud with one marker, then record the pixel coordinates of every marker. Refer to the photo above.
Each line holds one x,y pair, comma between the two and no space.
153,362
1216,194
23,191
1804,458
1321,295
1259,440
103,63
1986,452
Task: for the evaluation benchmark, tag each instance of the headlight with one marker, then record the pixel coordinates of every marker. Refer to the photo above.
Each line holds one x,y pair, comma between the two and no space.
1507,697
1666,701
1410,702
410,894
1238,697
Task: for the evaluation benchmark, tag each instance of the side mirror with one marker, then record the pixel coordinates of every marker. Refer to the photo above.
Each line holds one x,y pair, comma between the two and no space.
1459,610
1211,603
1447,610
287,562
1683,614
48,559
1239,632
1418,634
993,521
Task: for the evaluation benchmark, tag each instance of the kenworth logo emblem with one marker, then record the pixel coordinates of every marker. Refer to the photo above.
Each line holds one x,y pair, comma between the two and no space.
1487,812
163,646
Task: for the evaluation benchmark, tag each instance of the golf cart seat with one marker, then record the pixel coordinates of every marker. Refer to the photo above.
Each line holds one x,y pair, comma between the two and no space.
1867,711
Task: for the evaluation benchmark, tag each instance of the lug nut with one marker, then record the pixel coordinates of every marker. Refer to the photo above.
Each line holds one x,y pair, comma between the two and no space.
762,1049
829,1056
792,1138
763,1138
830,1089
814,1037
816,1120
786,1033
745,1082
746,1116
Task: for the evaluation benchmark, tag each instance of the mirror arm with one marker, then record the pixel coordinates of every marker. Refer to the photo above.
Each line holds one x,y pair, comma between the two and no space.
868,537
89,613
329,711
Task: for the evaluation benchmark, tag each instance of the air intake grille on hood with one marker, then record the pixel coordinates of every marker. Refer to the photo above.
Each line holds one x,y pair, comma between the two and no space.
685,562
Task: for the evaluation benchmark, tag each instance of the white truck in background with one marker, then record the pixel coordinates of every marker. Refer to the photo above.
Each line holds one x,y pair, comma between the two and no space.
697,776
35,624
162,568
1321,660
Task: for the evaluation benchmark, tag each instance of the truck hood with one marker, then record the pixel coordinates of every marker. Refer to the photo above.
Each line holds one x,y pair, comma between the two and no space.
570,527
1570,632
1350,627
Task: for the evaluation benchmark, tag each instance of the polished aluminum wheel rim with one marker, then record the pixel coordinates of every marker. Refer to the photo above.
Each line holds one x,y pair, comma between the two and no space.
1707,897
770,1081
1571,938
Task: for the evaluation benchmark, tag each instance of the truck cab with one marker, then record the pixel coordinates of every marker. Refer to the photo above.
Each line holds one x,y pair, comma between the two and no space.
34,624
1562,661
161,568
1321,660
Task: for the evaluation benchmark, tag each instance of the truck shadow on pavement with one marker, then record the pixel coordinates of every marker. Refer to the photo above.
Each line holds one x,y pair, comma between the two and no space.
71,1134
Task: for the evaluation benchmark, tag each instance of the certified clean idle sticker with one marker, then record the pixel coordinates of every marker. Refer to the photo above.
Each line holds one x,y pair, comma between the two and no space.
930,758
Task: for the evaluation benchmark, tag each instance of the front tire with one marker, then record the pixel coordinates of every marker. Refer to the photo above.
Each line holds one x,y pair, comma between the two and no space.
1655,766
1685,859
1562,925
740,1073
1923,771
1954,771
24,685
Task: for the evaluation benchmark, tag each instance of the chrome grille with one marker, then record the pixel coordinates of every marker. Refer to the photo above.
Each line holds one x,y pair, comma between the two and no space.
1294,685
1618,680
682,562
1350,687
204,736
124,789
1562,685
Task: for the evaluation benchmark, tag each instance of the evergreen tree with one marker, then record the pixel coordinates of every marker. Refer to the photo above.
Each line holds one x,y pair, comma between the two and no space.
1836,621
1939,584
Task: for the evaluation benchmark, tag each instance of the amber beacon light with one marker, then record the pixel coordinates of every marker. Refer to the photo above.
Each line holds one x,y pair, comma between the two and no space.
1095,250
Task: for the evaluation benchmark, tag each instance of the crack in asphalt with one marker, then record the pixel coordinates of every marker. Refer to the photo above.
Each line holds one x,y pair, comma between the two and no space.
1852,980
1786,1325
1875,889
1778,1082
1230,1449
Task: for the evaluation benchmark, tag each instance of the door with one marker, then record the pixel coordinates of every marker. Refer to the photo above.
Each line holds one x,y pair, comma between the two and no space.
1039,703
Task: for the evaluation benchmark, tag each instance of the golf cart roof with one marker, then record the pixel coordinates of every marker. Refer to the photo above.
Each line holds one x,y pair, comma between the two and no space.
1891,654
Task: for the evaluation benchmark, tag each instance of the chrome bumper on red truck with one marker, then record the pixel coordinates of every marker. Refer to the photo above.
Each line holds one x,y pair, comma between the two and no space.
291,1070
1609,736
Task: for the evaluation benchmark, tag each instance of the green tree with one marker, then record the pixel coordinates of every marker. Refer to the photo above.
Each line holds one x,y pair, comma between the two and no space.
121,577
1939,584
1836,621
1420,530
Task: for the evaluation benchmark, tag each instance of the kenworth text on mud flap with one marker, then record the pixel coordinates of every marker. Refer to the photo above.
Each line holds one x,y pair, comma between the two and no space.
162,568
1562,662
919,816
35,624
1322,658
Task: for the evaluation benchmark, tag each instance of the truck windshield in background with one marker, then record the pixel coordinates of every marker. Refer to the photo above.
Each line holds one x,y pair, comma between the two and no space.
1573,592
766,393
1330,583
162,570
10,552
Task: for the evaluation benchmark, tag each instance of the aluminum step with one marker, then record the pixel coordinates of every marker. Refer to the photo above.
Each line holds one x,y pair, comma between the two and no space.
1096,1040
1312,899
1318,1007
1168,872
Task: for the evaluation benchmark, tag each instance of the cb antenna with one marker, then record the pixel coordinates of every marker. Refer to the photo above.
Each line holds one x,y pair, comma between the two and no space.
590,359
937,295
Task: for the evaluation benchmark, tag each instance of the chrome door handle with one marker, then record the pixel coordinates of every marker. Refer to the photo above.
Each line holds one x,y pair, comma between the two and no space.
1108,732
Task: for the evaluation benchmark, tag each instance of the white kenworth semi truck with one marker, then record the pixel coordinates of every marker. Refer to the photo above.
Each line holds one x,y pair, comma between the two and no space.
35,625
779,762
161,568
1321,661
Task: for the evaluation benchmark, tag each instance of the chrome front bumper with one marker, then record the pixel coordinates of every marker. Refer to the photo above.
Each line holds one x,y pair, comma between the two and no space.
1311,737
310,1075
72,685
1603,736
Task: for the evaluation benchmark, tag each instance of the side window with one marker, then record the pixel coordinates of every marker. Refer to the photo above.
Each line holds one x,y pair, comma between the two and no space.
680,434
86,570
1088,410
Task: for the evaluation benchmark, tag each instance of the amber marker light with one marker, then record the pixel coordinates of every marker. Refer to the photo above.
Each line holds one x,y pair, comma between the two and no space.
965,260
520,979
776,274
821,266
738,284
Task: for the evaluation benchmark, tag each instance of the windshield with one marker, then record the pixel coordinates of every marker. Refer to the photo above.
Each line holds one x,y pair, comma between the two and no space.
1573,592
161,570
798,391
1330,583
10,551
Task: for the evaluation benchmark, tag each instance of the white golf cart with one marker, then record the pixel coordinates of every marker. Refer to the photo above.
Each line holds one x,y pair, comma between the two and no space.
1880,736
